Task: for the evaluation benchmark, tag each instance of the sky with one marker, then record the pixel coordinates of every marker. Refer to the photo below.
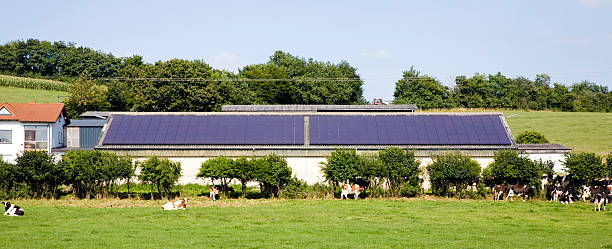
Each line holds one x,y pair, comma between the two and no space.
571,40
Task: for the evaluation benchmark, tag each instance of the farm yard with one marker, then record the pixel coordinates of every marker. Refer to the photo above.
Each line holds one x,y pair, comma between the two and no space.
373,223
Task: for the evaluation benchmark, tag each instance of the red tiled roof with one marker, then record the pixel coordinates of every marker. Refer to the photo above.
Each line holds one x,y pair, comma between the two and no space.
32,112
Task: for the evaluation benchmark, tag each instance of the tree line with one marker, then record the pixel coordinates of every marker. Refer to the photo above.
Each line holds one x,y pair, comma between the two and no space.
193,85
499,91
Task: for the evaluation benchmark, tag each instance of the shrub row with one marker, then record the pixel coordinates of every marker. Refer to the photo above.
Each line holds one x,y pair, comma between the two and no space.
392,172
271,172
32,83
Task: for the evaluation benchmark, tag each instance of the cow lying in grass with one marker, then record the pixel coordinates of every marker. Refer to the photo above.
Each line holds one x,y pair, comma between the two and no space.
175,205
347,189
12,209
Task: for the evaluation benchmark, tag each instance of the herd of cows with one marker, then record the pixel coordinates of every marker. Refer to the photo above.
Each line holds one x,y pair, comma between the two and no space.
558,188
562,189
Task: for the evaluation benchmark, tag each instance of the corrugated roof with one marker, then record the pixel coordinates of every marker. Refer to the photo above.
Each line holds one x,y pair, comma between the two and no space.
32,112
87,123
318,108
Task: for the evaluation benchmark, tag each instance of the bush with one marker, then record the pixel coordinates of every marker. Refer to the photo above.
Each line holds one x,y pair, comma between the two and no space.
452,170
244,171
608,168
531,137
95,173
401,166
273,174
295,189
584,167
219,168
341,166
38,170
409,189
162,173
510,168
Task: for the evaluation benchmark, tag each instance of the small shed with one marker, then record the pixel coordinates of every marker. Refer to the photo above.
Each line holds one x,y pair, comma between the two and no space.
84,133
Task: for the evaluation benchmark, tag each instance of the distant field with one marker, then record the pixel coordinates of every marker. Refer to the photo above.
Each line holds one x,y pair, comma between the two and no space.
582,131
21,95
417,223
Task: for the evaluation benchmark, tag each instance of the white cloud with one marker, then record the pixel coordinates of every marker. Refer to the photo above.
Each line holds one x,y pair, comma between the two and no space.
595,3
376,55
228,61
577,42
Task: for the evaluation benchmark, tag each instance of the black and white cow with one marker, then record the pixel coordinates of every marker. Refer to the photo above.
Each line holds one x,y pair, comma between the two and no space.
519,190
600,197
12,209
499,192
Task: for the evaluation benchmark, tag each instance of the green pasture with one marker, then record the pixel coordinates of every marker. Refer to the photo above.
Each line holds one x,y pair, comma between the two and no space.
581,131
408,223
23,95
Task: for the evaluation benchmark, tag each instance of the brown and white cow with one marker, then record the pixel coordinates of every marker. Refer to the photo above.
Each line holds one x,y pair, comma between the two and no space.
175,205
214,191
348,189
518,190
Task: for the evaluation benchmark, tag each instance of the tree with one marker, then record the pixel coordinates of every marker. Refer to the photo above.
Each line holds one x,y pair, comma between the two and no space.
510,168
341,166
244,171
219,168
424,91
401,166
560,98
273,174
531,137
85,95
608,168
584,167
38,170
162,173
452,170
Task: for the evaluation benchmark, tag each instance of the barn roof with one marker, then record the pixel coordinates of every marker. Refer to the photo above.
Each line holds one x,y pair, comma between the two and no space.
305,130
87,123
319,108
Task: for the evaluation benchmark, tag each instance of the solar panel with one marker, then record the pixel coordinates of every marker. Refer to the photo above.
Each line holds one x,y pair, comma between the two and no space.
408,130
203,130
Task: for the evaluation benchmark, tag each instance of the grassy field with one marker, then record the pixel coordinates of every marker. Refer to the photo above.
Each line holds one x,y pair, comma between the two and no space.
22,95
417,223
582,131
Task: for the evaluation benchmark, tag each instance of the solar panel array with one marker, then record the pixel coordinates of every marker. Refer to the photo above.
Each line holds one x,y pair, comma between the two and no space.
203,130
408,130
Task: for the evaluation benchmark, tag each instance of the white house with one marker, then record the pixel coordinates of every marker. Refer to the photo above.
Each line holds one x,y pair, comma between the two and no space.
30,126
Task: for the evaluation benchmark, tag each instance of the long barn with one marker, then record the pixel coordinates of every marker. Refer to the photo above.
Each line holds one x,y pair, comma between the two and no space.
306,137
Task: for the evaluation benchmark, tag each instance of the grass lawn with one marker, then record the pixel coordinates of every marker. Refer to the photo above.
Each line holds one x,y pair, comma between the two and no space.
582,131
22,95
420,223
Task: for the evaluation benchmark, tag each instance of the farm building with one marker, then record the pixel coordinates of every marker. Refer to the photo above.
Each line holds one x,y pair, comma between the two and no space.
30,126
305,137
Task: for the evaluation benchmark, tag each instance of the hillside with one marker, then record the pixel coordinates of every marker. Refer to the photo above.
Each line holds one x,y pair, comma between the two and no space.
20,95
582,131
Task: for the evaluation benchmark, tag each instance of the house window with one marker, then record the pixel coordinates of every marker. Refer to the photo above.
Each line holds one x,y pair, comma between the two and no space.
36,137
6,136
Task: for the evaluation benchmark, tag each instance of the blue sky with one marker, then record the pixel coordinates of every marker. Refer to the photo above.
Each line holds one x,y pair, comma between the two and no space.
570,40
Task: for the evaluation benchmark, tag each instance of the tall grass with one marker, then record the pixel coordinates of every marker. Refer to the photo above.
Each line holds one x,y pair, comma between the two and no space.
32,83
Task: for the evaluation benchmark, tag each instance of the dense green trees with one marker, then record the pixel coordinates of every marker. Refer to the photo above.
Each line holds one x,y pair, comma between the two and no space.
499,91
422,90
